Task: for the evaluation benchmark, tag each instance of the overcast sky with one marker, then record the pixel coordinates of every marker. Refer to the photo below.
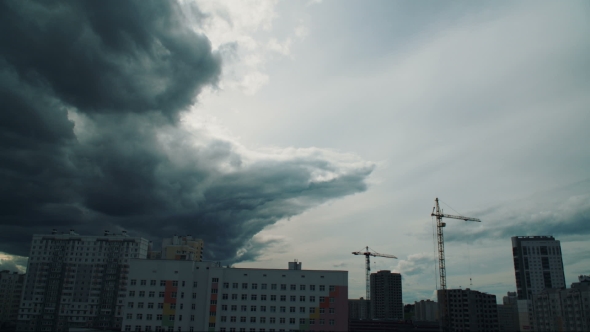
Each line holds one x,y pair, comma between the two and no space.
302,130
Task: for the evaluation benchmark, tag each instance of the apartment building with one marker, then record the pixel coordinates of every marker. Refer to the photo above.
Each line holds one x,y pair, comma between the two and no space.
425,311
468,310
177,295
537,264
182,248
386,295
563,309
11,287
77,281
359,309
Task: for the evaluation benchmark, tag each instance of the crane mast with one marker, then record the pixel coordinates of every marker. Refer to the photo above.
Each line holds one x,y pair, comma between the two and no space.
368,255
442,270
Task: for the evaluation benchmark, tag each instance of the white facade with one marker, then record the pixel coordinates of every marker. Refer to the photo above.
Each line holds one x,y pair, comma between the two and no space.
537,264
425,311
563,309
169,295
77,281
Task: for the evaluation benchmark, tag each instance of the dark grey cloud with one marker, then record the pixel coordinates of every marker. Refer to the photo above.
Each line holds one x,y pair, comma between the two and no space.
91,137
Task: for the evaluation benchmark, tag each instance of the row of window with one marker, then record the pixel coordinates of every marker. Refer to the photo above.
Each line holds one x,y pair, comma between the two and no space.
312,310
283,287
282,298
143,282
273,320
191,329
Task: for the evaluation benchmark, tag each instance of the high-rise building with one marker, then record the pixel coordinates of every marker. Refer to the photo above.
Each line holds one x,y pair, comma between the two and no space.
537,264
563,309
180,295
425,311
468,310
386,295
522,314
182,248
11,287
77,281
359,309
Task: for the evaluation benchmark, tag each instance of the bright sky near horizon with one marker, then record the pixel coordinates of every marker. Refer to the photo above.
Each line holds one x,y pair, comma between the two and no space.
318,128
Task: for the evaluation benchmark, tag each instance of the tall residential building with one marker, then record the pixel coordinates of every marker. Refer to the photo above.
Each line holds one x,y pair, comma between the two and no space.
522,314
468,310
77,281
11,287
386,295
563,309
182,248
537,264
180,295
359,309
425,311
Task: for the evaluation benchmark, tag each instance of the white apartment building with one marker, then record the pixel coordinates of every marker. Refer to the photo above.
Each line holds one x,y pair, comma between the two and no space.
177,295
537,264
77,281
425,311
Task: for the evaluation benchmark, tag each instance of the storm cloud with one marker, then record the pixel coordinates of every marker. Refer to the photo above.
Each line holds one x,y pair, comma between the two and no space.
92,135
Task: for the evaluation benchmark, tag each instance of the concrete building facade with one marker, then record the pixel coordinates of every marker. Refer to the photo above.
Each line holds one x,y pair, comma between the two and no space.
537,264
468,310
359,309
563,309
77,281
425,311
386,295
11,287
182,248
177,295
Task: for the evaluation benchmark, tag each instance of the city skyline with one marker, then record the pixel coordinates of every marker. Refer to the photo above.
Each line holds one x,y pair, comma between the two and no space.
301,130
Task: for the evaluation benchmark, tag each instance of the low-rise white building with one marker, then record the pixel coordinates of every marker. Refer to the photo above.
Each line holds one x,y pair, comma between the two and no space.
176,295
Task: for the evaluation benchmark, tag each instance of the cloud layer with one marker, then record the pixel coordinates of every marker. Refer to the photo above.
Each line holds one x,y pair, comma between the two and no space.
92,135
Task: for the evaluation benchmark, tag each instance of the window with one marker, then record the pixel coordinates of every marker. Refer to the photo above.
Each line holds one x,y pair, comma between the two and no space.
254,286
142,294
173,295
127,327
223,296
311,310
244,308
321,322
234,296
253,308
322,298
332,288
332,310
302,321
139,316
215,280
195,295
291,309
322,288
273,297
282,320
293,287
244,285
175,283
312,287
152,294
283,309
234,285
262,320
263,286
223,318
232,319
234,307
161,294
301,298
130,305
252,319
148,317
273,286
143,282
151,305
140,305
253,297
133,282
152,282
213,291
312,299
302,310
331,300
129,316
224,307
171,317
172,305
283,286
160,305
293,298
322,310
283,298
226,285
244,297
273,320
291,320
331,321
301,287
273,309
162,282
193,306
242,319
311,321
131,293
263,297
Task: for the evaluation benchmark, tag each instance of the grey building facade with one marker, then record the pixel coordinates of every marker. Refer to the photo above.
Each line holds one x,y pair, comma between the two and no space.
386,295
11,286
469,310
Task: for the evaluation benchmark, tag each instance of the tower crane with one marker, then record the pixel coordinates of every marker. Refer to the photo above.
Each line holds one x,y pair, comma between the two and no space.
437,212
367,255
